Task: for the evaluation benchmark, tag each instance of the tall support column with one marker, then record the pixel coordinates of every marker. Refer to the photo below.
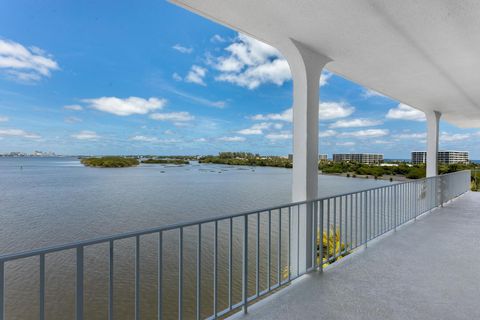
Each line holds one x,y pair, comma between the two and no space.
306,67
433,119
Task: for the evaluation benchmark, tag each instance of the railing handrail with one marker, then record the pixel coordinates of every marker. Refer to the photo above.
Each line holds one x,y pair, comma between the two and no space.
130,234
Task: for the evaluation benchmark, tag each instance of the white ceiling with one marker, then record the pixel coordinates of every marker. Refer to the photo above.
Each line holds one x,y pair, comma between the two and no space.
424,53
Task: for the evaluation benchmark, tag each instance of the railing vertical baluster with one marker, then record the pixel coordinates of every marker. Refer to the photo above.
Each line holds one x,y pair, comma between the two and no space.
199,269
245,265
257,257
334,227
289,243
340,214
137,278
269,264
321,235
230,264
42,287
357,216
215,268
328,229
279,248
298,240
180,274
79,285
159,276
351,221
366,218
110,280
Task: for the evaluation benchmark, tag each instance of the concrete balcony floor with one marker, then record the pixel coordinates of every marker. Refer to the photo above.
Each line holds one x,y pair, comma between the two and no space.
428,269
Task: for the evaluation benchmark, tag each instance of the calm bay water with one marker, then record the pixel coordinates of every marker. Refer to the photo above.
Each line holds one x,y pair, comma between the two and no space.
47,201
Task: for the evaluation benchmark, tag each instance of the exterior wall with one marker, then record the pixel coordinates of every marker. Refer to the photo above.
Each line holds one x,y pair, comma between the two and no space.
322,157
367,158
445,157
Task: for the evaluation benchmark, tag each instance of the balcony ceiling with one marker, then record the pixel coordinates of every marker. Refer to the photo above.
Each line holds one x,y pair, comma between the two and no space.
423,53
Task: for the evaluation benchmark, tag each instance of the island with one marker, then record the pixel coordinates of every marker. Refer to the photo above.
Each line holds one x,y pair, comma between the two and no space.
109,162
165,161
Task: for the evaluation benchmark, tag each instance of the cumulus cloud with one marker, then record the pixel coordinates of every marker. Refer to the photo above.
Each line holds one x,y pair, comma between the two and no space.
334,110
369,93
368,133
405,112
86,135
196,75
176,77
450,137
345,144
250,63
182,116
18,133
72,120
232,139
126,107
285,135
217,39
182,49
73,107
327,111
352,123
25,64
412,135
3,119
256,129
327,133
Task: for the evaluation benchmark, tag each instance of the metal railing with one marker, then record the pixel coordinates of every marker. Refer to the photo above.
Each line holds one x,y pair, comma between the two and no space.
244,256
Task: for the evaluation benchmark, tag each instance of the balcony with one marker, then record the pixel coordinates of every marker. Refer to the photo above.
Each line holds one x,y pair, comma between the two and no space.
217,267
428,269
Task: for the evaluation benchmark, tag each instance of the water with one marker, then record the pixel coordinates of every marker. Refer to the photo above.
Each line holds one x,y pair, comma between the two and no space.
47,201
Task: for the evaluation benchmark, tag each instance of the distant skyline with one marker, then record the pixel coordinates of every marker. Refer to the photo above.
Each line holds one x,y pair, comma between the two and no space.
122,78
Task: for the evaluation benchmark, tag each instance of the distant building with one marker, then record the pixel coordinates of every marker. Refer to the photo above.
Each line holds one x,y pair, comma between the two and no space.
367,158
445,157
321,157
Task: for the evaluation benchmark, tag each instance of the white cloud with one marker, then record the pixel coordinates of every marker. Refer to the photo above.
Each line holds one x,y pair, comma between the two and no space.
126,107
3,119
85,135
354,123
144,138
369,93
404,112
419,135
176,77
327,133
324,77
285,135
200,140
283,116
327,111
334,110
346,144
256,129
72,120
25,64
382,142
251,63
182,116
196,75
232,139
18,133
448,137
368,133
182,49
73,107
217,39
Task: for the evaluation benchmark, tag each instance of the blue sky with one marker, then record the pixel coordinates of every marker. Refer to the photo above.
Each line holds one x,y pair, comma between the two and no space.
116,77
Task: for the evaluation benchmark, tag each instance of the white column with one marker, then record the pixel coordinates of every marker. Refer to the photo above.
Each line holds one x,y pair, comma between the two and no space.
306,67
433,119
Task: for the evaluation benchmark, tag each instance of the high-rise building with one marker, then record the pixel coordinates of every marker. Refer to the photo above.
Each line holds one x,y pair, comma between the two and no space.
367,158
445,157
321,157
